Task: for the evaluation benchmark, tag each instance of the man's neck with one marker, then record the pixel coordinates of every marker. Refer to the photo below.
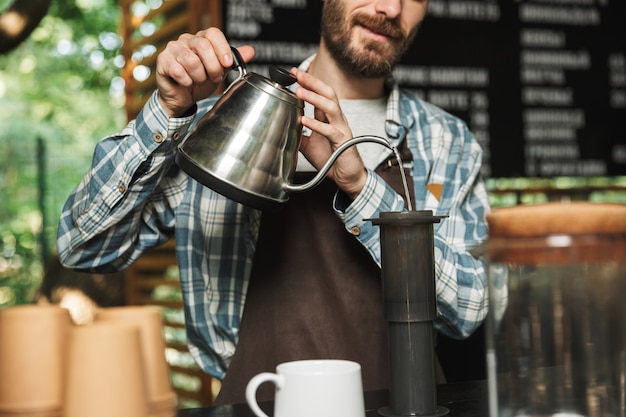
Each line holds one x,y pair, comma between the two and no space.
346,86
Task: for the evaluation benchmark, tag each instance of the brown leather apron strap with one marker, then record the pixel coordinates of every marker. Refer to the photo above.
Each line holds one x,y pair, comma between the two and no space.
388,170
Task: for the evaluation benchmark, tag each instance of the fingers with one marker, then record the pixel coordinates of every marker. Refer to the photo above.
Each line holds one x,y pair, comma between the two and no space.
181,65
330,130
314,84
207,54
329,120
317,93
194,59
191,68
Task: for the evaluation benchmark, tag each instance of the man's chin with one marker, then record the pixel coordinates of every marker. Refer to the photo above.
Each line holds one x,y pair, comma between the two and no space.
375,56
370,68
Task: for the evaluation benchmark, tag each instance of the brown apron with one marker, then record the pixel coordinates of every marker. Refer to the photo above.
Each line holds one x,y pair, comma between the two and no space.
314,293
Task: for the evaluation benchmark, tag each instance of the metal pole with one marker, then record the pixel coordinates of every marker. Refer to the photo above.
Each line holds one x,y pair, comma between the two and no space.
41,190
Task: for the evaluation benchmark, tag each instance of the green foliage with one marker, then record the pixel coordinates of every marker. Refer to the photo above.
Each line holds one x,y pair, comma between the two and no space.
5,4
56,100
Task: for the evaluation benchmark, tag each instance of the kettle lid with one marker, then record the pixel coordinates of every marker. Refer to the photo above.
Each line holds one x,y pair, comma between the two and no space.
276,85
274,88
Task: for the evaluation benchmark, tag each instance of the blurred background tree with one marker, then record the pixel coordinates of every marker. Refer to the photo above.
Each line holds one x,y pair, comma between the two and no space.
59,93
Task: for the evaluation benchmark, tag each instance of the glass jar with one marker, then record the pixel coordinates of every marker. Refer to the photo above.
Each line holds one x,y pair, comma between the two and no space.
556,329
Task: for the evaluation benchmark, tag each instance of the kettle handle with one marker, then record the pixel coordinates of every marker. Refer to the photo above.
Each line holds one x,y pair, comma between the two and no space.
238,62
344,146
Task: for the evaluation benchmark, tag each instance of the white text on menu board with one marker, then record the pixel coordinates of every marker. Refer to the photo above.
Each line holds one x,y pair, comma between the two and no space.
552,110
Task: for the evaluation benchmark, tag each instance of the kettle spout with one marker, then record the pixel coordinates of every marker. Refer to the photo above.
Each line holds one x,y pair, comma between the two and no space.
324,170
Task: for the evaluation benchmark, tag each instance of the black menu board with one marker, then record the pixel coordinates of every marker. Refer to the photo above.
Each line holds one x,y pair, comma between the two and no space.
541,83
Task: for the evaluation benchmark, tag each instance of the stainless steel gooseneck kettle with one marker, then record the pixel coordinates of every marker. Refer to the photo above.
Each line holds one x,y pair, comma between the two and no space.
246,146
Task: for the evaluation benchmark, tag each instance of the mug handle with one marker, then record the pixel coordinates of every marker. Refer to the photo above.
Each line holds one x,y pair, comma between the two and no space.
254,384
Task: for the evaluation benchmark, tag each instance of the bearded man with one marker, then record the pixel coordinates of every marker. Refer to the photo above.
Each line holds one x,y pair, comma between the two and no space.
264,288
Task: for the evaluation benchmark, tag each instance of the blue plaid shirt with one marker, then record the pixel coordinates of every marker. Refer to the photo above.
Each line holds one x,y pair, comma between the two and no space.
135,197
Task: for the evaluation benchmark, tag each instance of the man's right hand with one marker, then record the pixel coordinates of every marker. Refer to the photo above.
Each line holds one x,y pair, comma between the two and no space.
192,67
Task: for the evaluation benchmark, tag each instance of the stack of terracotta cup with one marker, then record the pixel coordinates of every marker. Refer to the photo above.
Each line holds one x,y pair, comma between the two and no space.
161,399
33,360
115,366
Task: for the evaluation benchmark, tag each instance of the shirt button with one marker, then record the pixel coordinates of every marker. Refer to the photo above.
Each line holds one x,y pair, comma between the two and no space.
176,136
158,138
121,188
356,230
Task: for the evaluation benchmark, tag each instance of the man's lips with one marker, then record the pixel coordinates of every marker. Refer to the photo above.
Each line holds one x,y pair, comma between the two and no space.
378,36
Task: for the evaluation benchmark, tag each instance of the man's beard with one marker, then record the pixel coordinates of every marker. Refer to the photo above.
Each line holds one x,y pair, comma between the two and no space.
374,59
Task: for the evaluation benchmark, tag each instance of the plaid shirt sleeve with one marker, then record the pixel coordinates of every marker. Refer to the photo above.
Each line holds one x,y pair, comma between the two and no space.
135,197
125,203
445,153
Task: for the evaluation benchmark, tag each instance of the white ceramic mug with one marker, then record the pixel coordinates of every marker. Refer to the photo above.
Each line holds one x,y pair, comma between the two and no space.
312,388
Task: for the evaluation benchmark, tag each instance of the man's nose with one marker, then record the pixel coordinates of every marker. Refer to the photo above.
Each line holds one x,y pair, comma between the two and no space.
390,8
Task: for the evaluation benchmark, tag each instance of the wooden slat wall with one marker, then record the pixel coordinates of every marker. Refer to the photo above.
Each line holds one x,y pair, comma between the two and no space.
151,274
173,18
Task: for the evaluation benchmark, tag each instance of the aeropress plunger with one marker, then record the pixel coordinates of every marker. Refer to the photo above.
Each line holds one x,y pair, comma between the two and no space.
408,280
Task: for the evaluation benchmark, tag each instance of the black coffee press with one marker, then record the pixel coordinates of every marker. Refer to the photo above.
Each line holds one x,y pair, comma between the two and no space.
408,279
